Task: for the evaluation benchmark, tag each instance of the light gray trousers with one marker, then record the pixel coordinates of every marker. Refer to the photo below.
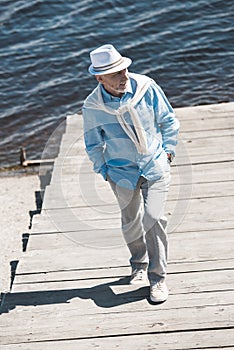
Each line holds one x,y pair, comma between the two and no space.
144,224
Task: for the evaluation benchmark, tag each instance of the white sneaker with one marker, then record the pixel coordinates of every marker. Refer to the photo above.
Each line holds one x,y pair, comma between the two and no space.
158,291
139,276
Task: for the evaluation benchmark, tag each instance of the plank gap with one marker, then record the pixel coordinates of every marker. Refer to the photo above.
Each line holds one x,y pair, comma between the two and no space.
114,277
124,335
73,270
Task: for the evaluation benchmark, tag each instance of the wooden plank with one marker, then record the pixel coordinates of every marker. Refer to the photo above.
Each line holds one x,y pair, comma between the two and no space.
115,239
62,325
207,134
73,254
204,158
212,339
179,220
177,224
185,156
100,238
104,299
102,192
183,222
202,213
75,164
187,139
206,112
52,224
70,258
200,172
193,155
207,208
203,123
196,205
80,273
212,111
84,213
212,144
72,195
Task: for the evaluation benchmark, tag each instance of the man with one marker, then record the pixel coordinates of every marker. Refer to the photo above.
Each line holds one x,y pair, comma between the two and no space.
130,134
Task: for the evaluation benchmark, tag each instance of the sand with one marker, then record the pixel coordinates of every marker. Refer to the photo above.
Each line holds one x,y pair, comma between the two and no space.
18,202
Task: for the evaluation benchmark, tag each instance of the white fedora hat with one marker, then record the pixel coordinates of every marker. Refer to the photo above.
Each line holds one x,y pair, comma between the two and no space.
106,59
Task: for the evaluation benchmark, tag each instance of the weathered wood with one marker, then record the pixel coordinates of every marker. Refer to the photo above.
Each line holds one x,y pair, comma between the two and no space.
206,111
202,123
207,134
221,338
156,320
73,279
114,272
103,299
72,195
188,213
203,172
181,222
195,248
73,252
197,205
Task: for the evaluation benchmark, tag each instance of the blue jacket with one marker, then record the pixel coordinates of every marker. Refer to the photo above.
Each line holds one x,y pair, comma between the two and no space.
109,147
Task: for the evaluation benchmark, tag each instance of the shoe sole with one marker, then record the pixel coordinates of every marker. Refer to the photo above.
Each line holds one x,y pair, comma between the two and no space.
158,300
138,282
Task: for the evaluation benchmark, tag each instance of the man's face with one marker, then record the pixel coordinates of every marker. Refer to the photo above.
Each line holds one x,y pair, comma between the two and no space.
114,83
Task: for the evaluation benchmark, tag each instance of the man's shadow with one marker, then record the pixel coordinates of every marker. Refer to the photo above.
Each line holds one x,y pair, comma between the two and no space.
102,295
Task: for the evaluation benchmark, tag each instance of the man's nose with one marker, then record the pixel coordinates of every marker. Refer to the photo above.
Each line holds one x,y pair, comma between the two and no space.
125,73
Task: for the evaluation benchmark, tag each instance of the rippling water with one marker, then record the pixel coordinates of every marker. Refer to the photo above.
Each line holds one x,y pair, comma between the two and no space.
186,46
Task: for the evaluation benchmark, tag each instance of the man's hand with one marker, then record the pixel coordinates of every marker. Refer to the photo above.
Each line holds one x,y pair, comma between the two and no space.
170,157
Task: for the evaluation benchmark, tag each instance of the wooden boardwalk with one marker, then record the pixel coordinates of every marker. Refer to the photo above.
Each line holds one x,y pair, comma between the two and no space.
71,287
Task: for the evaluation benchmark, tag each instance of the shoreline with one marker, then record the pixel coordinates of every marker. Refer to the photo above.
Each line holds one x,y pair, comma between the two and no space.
18,202
18,170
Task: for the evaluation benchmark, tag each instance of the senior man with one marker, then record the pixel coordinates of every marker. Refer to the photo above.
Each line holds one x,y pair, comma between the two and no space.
130,133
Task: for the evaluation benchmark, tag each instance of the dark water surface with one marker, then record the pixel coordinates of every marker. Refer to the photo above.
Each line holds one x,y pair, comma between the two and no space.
186,46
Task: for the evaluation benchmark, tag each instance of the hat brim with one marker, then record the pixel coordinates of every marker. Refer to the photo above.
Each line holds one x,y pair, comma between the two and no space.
125,64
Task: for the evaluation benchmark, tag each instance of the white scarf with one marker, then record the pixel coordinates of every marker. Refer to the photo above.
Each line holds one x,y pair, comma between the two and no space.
95,101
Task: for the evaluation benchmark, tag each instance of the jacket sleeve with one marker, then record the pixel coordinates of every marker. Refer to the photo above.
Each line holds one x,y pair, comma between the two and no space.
168,123
94,142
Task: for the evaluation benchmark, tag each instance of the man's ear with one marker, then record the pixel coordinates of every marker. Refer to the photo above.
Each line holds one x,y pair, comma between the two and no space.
99,78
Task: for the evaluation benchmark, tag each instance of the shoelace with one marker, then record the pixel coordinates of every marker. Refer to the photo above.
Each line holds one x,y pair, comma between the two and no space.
138,274
159,286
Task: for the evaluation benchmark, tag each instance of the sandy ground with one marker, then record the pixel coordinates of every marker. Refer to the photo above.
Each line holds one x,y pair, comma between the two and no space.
17,198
